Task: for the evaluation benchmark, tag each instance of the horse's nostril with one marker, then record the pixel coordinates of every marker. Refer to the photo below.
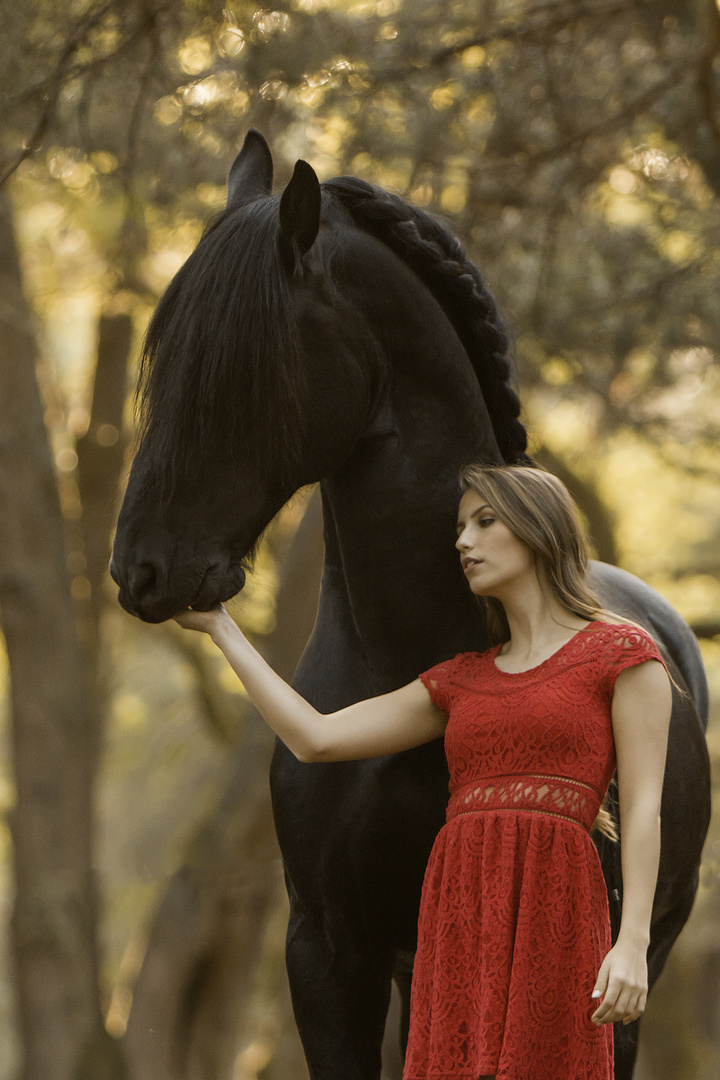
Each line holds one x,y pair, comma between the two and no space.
141,579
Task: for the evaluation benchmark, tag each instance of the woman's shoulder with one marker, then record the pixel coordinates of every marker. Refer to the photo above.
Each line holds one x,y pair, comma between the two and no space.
440,680
469,662
460,662
621,630
620,643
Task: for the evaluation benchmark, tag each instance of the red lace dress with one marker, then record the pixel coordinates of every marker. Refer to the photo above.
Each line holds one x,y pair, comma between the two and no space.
514,920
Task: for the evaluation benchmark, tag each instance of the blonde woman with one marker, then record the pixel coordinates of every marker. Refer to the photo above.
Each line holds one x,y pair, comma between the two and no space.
515,977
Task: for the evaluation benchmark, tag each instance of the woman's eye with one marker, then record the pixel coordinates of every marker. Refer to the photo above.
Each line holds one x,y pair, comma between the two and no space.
484,522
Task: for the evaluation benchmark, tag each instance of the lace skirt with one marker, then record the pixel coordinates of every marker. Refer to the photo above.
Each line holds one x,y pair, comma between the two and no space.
514,925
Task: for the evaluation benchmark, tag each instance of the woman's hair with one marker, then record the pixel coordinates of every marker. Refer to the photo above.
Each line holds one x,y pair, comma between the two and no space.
539,510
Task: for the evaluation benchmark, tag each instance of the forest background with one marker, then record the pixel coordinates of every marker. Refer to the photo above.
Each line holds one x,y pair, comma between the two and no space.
574,147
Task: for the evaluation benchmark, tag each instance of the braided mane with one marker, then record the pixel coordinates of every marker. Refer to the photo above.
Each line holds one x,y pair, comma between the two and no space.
440,262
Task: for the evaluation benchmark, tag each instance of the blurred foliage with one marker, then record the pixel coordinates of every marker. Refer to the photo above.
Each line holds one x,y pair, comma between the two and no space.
575,149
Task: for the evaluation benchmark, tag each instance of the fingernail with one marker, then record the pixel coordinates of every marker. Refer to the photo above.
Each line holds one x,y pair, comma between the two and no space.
595,993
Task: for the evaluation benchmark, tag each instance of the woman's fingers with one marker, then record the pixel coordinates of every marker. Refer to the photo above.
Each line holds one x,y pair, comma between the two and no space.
189,620
621,1002
601,983
198,620
637,1010
604,1013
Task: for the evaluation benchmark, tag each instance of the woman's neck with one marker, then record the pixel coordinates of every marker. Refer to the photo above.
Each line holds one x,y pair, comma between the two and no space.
538,623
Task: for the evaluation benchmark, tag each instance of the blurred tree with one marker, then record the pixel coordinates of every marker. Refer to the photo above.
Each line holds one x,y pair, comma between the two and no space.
52,713
101,457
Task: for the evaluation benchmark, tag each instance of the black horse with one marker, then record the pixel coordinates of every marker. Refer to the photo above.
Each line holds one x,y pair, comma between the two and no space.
338,334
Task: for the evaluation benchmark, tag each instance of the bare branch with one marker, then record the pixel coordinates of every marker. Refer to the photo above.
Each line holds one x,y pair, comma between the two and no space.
58,79
64,72
531,26
655,289
138,109
690,468
635,108
705,628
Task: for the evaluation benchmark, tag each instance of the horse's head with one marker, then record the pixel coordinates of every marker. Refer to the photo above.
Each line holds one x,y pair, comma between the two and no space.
250,388
312,335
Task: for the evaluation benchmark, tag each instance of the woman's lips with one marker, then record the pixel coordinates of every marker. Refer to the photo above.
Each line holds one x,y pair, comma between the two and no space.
469,564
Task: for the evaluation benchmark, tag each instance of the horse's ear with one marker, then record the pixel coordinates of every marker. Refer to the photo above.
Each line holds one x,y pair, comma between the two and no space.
251,174
299,214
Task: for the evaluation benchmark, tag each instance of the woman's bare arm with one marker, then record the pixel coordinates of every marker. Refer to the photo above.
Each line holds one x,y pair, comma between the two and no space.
381,725
642,702
641,707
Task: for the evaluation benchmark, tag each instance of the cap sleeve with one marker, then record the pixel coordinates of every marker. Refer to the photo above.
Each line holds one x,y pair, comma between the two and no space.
629,646
437,683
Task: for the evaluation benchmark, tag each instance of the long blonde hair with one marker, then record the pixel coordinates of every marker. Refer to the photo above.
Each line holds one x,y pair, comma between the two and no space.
539,510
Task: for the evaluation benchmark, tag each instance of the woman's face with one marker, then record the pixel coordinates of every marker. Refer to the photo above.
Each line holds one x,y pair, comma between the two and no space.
493,558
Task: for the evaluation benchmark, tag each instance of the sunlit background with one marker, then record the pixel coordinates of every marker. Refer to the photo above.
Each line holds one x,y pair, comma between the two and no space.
574,148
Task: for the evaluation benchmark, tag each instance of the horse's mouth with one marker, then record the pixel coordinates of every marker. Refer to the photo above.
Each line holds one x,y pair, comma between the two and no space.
218,584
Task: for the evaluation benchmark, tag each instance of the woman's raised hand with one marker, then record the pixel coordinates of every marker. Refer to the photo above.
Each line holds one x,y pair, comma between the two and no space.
205,621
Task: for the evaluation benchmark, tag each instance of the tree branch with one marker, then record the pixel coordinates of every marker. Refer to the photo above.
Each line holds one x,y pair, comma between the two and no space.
56,82
642,102
705,628
528,27
101,451
655,289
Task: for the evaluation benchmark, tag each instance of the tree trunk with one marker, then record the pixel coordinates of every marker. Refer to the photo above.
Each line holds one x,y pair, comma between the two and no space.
199,970
53,925
101,452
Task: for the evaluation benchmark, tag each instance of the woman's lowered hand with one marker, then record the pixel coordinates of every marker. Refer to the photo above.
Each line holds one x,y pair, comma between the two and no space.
622,983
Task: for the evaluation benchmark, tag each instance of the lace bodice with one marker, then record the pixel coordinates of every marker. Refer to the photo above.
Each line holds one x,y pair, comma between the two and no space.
502,723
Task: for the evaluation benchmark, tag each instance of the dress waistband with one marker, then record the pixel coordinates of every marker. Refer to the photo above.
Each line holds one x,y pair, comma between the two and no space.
558,796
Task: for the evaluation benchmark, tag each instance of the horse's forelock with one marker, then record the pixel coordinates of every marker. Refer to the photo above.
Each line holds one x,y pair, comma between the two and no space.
221,343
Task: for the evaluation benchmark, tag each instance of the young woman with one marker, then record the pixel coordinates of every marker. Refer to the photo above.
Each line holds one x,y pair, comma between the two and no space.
514,932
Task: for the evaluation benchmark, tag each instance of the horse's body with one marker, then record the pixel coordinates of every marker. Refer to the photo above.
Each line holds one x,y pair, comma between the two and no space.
365,313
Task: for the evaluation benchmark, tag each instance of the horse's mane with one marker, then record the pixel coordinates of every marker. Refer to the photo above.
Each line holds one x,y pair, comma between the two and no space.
223,340
440,262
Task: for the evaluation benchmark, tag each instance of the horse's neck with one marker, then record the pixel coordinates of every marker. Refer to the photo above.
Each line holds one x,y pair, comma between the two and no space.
394,599
392,578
